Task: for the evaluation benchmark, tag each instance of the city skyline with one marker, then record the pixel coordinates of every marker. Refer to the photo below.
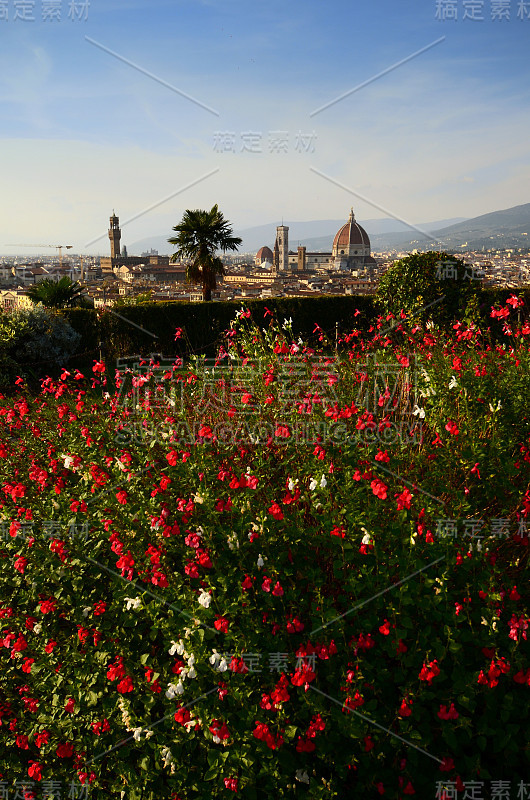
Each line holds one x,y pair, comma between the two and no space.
155,110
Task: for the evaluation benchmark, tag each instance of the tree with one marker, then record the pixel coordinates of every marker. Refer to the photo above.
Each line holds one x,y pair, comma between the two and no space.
200,236
56,294
432,285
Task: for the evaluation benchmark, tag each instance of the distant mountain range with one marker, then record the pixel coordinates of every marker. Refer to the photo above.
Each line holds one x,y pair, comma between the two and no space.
507,228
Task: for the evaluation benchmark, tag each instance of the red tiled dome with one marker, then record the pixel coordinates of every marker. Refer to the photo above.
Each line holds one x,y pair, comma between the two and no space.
264,254
351,234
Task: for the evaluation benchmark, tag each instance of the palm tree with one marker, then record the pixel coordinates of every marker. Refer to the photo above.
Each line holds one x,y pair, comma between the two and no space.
201,234
56,294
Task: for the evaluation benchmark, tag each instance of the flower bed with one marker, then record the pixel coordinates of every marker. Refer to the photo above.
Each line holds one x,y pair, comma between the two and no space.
286,573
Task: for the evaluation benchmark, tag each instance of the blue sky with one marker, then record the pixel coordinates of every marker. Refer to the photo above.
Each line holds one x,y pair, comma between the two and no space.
445,134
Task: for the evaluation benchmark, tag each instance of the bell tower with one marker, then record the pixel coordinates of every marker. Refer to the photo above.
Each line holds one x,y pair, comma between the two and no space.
114,236
282,237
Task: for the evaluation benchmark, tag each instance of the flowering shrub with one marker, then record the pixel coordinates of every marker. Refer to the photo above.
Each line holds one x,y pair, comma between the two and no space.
200,597
31,335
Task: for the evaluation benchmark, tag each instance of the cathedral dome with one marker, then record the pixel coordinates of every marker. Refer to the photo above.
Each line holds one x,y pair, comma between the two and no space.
351,235
264,254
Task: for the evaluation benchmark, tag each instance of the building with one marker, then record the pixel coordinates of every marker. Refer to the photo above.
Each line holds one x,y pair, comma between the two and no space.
13,299
351,250
116,260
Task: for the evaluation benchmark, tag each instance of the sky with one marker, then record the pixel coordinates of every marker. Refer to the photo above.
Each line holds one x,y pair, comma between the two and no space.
294,110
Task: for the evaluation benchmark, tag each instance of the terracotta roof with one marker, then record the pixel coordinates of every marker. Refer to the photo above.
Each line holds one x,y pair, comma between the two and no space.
265,254
349,234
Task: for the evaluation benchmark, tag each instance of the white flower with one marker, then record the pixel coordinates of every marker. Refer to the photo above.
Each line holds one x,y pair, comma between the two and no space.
302,777
68,461
179,688
86,611
192,673
300,340
176,647
223,665
183,674
417,411
291,485
312,485
492,407
260,562
191,660
205,599
453,384
323,482
37,628
233,541
133,602
214,658
287,322
167,756
198,499
137,734
171,691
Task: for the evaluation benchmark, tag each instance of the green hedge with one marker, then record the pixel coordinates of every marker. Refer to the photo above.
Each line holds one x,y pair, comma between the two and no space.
153,324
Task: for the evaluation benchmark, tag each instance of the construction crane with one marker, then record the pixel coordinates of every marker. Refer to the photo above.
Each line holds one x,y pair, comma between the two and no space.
59,247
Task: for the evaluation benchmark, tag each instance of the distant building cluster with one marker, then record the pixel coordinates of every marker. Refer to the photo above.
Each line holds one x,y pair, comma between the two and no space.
349,267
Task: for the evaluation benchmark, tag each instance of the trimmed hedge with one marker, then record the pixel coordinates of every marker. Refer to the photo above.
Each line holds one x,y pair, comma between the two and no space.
154,324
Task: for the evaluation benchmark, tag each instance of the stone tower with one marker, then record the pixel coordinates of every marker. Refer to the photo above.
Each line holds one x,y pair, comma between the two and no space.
114,236
282,237
276,258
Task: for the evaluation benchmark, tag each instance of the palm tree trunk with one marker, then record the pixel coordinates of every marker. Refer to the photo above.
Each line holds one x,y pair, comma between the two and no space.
206,294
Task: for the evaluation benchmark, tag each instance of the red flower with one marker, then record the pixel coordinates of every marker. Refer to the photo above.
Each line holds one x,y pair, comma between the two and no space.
34,770
304,745
221,624
47,606
231,783
70,705
379,488
182,715
65,750
20,564
303,676
22,742
20,644
385,628
403,499
338,530
125,685
452,713
405,710
219,730
429,671
276,511
368,744
277,591
452,428
121,497
26,667
42,738
247,583
99,366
